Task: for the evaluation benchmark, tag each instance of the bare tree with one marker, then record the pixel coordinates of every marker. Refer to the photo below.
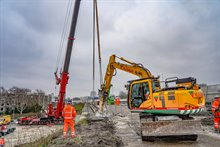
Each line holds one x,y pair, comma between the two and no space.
17,90
42,98
21,103
3,90
39,91
22,98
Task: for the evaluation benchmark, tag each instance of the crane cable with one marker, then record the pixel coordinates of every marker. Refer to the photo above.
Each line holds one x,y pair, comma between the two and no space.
96,26
67,15
63,36
98,39
93,76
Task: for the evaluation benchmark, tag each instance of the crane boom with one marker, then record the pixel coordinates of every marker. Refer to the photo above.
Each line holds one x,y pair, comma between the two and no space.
71,36
64,76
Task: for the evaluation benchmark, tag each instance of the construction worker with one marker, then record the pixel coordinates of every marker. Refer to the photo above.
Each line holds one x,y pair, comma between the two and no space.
117,101
2,142
216,113
69,114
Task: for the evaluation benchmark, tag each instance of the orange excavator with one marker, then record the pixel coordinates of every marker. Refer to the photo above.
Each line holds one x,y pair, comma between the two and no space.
216,113
164,112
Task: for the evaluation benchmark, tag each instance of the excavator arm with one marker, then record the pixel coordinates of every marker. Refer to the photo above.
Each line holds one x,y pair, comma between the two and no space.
130,67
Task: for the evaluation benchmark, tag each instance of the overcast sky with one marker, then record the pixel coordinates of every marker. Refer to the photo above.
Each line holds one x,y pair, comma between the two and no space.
169,37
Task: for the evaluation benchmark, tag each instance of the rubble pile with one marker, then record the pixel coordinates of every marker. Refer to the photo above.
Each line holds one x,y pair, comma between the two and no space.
92,133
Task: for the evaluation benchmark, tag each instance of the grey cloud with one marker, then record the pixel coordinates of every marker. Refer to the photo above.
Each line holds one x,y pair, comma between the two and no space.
36,13
173,38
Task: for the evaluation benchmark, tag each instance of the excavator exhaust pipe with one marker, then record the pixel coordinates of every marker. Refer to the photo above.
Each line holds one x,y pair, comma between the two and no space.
170,130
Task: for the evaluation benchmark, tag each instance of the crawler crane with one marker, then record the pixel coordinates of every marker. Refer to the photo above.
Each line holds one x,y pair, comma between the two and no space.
54,114
164,112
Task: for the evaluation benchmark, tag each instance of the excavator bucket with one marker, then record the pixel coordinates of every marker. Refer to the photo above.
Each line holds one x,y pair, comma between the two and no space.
170,130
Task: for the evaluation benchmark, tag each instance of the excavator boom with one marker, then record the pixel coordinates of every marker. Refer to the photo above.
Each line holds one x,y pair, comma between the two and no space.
130,67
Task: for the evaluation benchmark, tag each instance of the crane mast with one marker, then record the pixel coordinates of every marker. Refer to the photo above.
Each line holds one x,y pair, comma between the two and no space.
63,80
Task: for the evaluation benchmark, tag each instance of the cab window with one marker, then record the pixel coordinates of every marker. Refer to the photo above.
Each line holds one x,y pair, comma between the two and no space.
136,90
139,93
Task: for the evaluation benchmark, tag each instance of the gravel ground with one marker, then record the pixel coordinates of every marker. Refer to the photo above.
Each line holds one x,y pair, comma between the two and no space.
121,128
26,134
91,131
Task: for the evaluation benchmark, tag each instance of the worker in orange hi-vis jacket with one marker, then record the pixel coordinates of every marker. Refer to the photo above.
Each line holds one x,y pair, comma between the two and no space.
216,113
69,114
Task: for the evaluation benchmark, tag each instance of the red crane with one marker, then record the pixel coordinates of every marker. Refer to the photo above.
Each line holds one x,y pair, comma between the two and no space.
54,115
63,80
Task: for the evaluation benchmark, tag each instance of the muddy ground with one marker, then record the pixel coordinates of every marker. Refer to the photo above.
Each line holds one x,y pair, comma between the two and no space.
97,133
122,128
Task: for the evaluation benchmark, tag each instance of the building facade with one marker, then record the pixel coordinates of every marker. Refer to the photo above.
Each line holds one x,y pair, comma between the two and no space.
210,92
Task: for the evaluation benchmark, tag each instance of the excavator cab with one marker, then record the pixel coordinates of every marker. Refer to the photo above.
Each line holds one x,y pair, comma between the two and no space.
140,91
160,116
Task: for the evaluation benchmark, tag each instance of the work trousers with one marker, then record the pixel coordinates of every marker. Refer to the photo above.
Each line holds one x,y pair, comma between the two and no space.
217,123
67,123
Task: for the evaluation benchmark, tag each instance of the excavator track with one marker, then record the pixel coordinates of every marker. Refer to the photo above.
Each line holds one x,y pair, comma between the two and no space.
172,130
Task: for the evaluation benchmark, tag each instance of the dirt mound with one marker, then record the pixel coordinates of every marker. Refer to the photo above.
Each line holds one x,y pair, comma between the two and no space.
91,133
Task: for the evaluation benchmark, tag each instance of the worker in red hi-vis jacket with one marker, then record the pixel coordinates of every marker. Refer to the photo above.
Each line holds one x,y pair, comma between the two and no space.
216,113
69,114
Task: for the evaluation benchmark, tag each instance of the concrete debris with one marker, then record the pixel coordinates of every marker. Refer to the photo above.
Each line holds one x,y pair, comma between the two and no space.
94,133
